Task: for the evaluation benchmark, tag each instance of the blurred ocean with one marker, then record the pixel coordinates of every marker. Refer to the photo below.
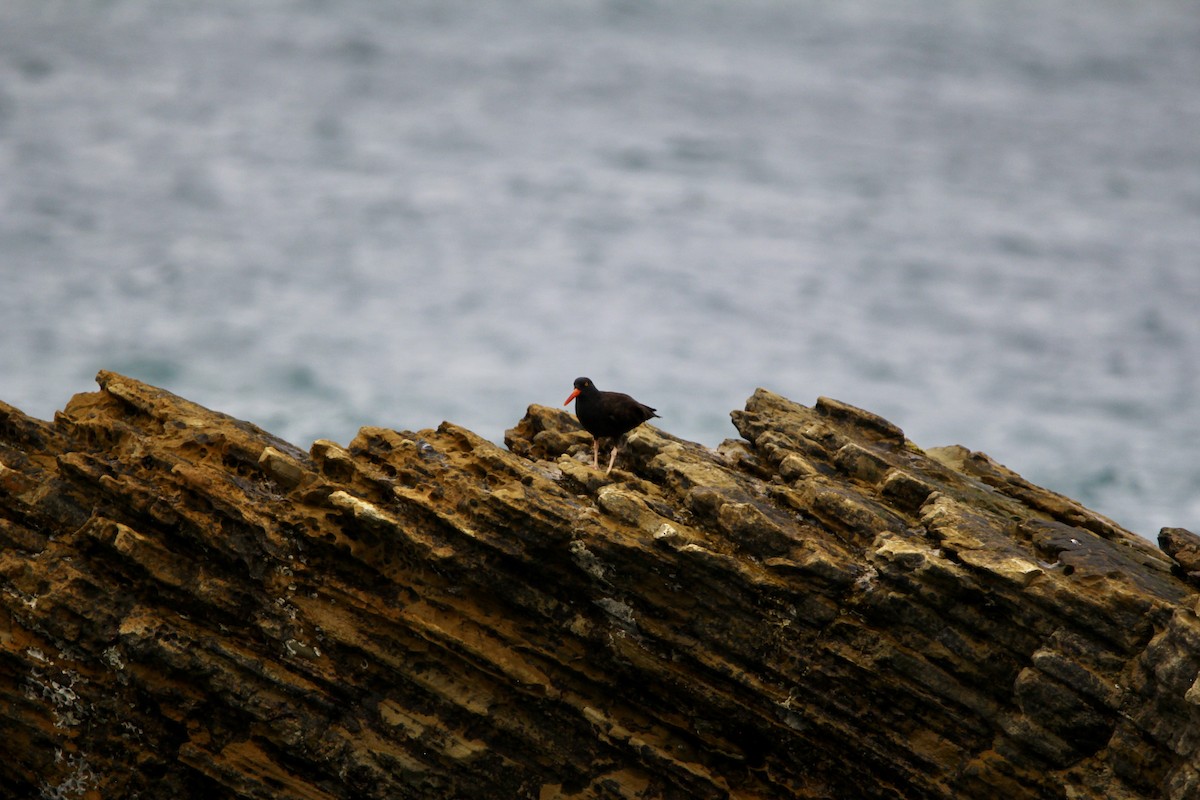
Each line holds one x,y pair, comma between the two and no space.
978,218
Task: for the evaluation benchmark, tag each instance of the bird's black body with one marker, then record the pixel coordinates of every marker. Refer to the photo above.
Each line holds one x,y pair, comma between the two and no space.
606,415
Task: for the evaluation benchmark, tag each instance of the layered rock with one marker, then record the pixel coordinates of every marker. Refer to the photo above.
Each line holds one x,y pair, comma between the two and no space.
190,607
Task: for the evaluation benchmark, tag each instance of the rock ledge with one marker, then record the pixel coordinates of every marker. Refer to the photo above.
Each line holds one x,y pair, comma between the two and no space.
191,607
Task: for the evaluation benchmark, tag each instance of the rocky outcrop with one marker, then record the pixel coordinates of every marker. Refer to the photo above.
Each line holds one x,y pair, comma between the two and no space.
192,608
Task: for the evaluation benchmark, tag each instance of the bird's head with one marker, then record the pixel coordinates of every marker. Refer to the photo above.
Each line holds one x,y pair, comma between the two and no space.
581,385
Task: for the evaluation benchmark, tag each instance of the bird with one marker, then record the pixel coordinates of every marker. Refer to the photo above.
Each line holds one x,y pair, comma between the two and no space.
606,415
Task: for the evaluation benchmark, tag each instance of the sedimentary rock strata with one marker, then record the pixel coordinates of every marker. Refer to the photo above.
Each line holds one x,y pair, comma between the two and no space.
191,607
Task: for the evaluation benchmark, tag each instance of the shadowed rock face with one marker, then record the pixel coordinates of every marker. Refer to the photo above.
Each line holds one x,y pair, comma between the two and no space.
192,608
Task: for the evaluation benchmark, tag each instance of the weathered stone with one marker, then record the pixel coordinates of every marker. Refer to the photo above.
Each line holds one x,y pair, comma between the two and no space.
1183,546
190,607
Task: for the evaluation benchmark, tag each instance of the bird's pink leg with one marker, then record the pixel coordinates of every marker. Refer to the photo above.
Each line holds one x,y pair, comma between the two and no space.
595,453
611,460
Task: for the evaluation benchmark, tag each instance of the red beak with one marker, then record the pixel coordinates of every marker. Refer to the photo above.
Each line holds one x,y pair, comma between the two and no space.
574,394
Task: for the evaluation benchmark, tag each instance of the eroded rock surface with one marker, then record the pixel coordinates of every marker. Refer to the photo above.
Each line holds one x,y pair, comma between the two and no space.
192,608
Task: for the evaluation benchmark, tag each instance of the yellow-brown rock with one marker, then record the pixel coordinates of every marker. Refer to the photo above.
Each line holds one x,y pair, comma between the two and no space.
193,608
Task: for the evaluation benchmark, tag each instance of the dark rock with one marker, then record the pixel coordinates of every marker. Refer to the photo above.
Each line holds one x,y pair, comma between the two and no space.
192,607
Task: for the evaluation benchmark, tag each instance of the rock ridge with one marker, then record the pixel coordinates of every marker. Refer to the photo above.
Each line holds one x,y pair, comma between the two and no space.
191,607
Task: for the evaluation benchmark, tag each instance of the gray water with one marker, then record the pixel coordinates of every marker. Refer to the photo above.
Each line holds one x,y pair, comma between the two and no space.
978,218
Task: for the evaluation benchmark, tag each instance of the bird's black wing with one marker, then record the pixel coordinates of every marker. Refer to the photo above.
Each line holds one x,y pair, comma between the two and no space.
629,413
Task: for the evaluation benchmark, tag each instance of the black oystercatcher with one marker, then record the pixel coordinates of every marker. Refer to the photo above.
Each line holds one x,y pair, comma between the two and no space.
606,415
